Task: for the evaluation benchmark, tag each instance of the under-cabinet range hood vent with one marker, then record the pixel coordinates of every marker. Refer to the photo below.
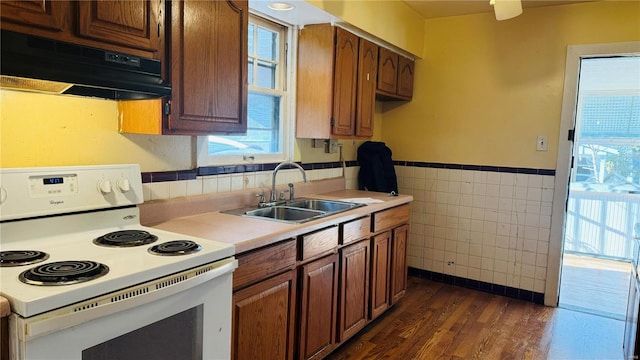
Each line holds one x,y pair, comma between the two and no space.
38,64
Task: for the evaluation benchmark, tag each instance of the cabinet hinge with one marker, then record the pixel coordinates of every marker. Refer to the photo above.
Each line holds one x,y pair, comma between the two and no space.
333,122
571,135
167,108
158,30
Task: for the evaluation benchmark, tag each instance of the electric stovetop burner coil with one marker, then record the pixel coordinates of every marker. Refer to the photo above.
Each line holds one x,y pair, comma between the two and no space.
63,273
176,247
126,238
21,257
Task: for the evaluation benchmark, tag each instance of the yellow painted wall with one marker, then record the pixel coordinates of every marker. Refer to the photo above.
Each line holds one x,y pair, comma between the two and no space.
485,88
51,130
390,20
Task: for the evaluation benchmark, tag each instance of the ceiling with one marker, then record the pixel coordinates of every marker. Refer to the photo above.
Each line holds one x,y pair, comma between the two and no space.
304,13
441,8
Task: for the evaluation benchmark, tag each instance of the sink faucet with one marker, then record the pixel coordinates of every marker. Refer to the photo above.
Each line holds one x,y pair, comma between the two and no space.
275,172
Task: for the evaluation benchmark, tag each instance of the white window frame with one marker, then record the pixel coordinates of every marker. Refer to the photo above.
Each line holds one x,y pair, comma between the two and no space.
285,86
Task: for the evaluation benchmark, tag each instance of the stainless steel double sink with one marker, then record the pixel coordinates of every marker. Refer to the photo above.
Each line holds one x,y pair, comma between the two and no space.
297,211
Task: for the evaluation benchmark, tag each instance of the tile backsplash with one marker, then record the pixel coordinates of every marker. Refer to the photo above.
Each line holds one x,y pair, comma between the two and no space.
254,180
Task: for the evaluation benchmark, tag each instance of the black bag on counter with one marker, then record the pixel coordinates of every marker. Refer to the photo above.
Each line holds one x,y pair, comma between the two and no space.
376,168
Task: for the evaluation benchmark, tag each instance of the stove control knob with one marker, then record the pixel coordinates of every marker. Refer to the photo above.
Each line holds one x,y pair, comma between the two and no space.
124,185
3,195
104,186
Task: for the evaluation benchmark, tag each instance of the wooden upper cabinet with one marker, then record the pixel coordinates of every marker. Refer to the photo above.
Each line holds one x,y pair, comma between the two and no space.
405,76
314,90
387,71
366,92
336,83
47,15
208,67
137,24
395,76
344,84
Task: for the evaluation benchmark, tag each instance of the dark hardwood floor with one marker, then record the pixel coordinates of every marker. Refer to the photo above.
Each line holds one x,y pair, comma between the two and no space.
439,321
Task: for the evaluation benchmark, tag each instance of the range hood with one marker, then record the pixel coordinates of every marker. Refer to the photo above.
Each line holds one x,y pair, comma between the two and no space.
43,65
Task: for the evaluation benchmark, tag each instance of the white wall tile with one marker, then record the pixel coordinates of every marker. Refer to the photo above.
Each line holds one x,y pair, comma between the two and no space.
177,189
493,226
194,187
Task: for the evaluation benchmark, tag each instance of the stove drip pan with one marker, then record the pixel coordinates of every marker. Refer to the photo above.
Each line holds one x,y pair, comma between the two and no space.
63,273
21,257
125,238
174,248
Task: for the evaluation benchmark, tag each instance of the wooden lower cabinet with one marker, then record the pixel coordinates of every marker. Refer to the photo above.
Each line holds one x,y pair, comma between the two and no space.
380,275
354,289
264,319
302,297
399,263
318,306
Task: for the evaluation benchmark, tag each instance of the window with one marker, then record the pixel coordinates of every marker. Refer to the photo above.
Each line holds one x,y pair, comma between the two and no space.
269,135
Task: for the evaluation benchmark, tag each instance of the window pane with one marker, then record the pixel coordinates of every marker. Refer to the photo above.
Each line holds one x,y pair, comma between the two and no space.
250,73
250,38
266,75
263,129
267,44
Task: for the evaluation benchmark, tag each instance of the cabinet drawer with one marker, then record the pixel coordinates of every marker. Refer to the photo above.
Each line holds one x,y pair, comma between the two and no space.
355,230
391,217
319,242
262,263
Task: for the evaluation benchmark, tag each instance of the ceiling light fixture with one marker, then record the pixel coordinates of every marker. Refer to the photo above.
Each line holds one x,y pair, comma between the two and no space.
280,6
506,9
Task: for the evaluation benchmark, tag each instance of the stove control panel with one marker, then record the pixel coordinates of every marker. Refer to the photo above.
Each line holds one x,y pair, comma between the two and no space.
30,192
53,185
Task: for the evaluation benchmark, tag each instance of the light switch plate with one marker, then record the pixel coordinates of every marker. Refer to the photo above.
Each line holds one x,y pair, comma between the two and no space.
541,143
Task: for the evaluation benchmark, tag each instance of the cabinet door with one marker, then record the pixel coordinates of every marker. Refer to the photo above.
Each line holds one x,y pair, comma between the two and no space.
134,23
263,319
387,71
405,77
344,85
366,94
380,275
354,288
42,14
208,67
399,262
319,295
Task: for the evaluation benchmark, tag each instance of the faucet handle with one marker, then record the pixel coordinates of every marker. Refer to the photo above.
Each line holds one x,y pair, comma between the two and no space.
291,197
282,197
261,196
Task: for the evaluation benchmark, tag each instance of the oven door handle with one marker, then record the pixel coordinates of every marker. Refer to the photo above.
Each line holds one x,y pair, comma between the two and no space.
123,300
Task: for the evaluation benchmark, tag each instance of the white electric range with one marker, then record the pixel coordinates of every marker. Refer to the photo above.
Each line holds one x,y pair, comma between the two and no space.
85,279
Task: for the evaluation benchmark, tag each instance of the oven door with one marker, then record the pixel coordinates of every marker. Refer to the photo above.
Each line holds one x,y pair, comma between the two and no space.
183,316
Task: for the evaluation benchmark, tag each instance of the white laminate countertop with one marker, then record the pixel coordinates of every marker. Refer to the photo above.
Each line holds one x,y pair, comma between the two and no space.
247,233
